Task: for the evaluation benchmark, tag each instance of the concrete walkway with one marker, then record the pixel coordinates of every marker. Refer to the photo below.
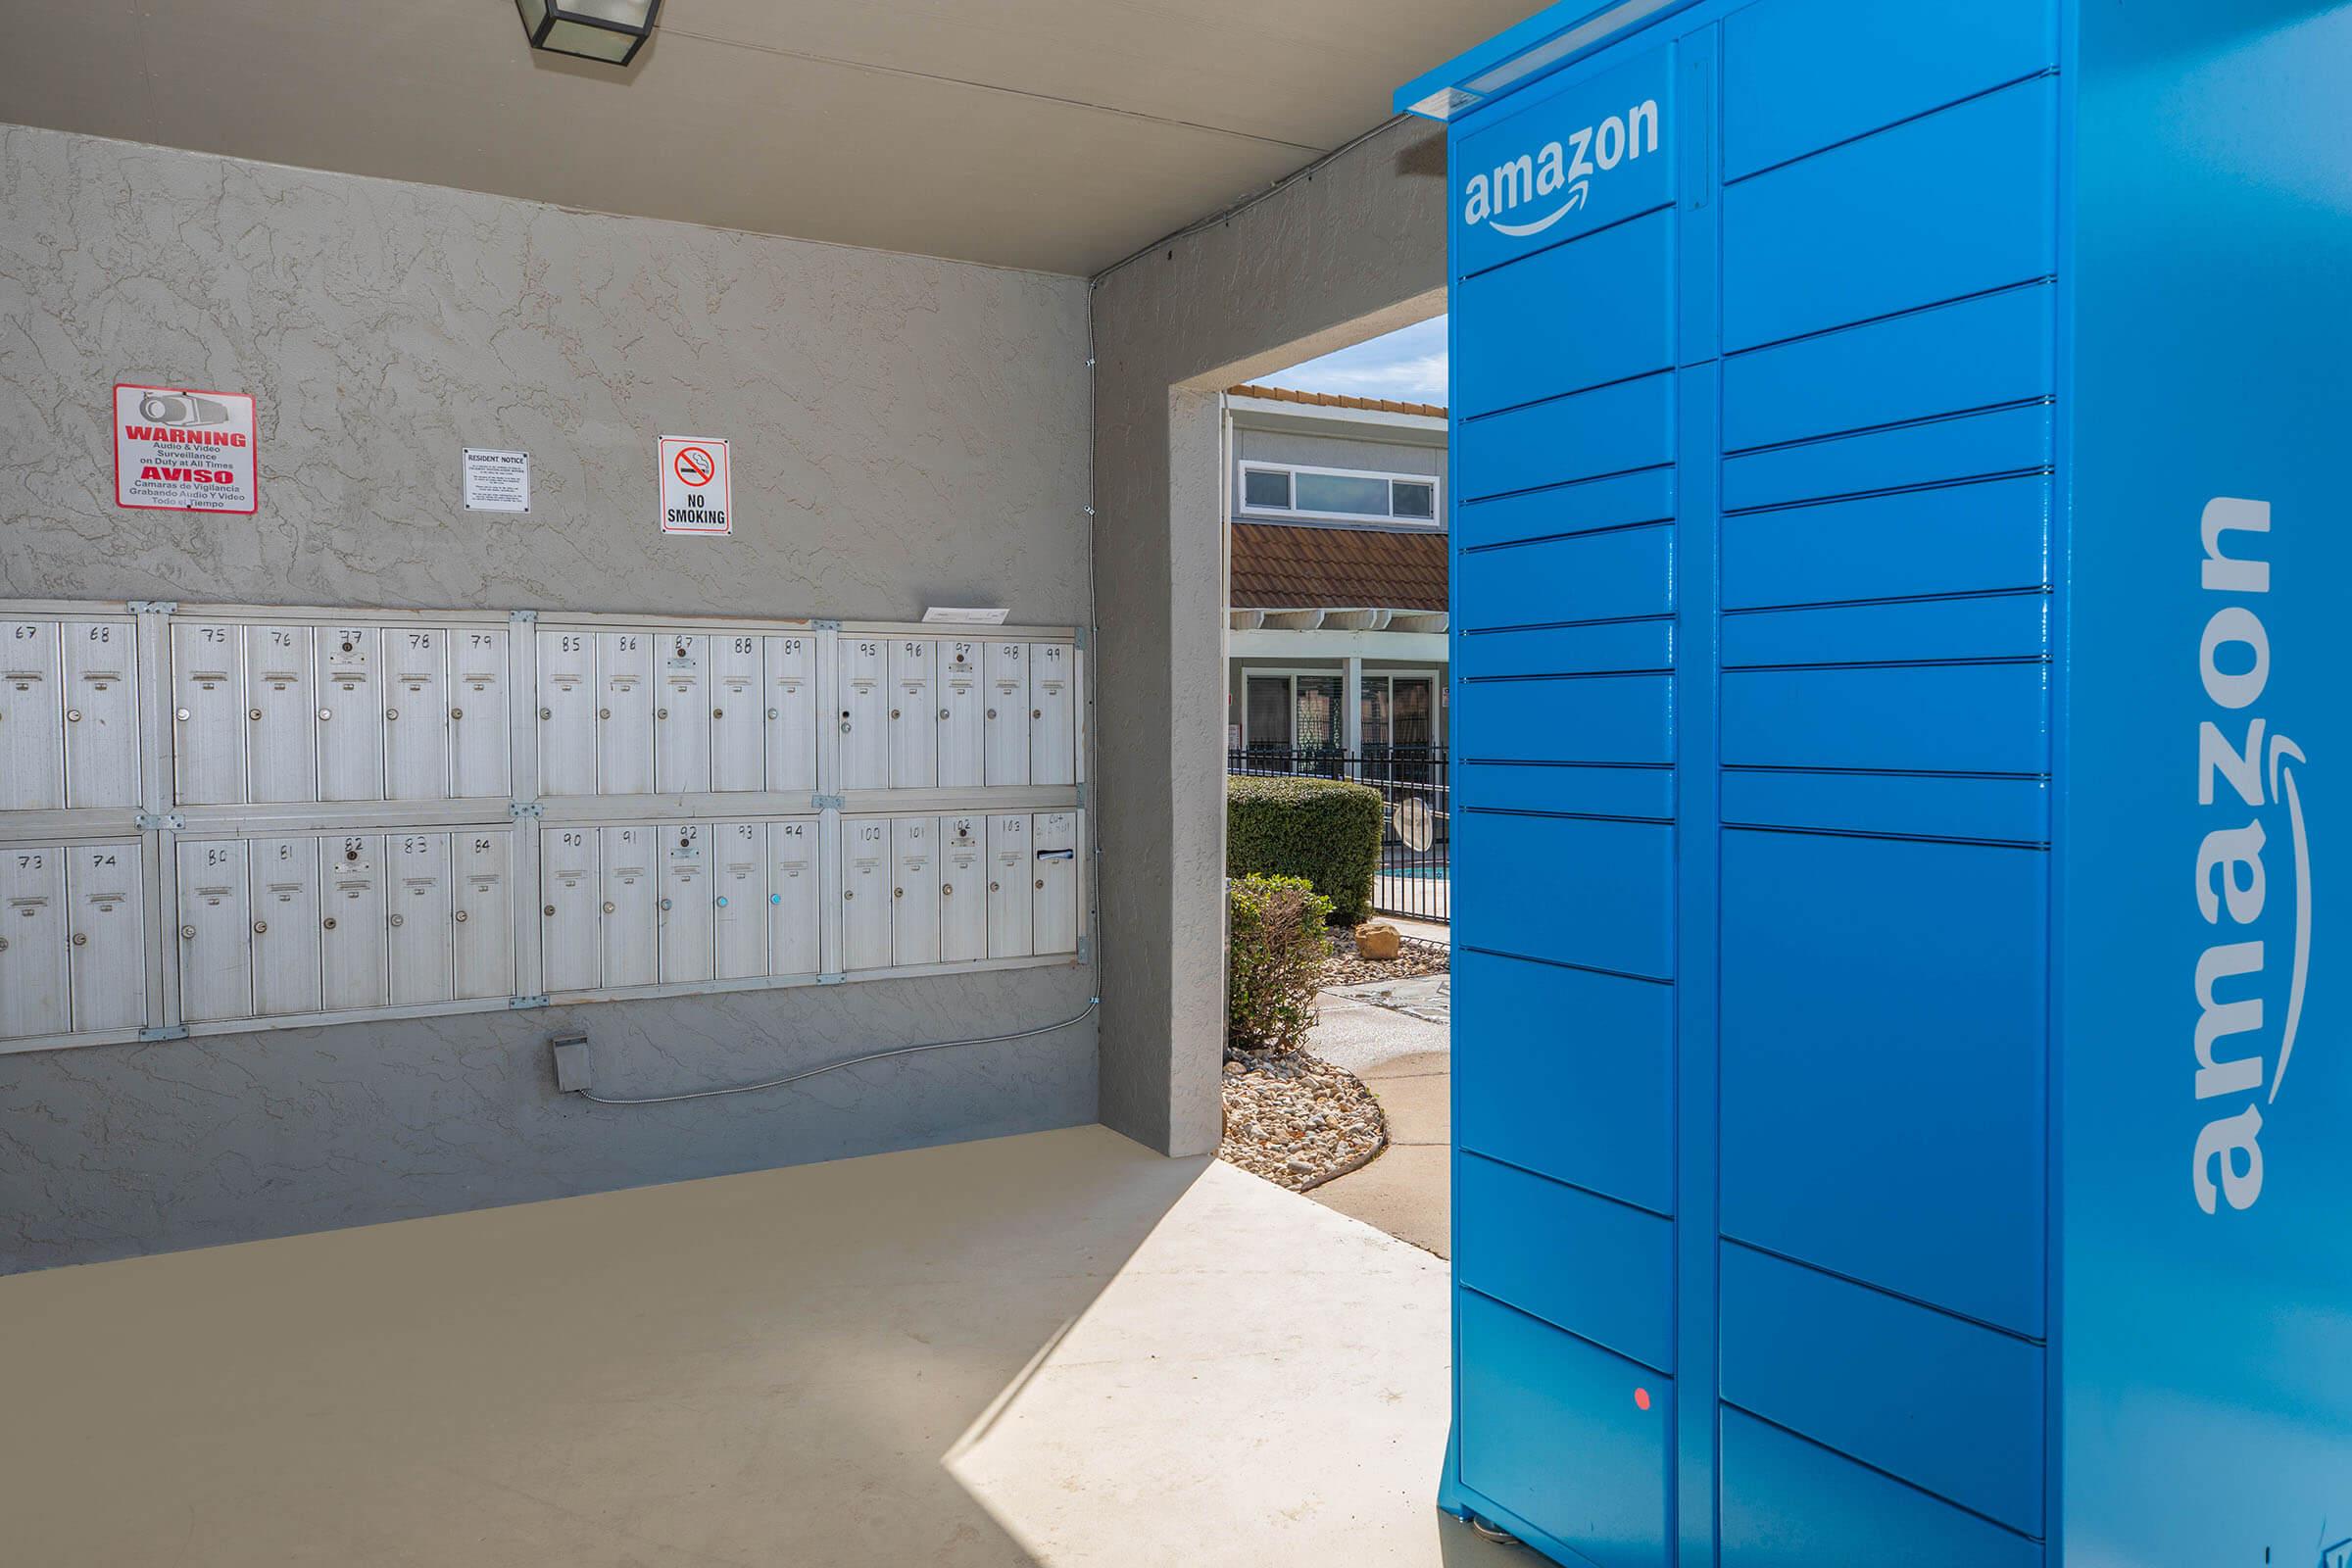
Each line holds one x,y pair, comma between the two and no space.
1403,1051
1052,1351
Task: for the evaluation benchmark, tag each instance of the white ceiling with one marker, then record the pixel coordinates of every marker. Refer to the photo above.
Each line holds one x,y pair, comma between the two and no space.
1057,135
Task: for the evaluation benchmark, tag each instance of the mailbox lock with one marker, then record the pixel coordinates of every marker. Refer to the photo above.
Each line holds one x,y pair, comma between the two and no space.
82,939
894,712
604,713
351,854
329,922
722,901
660,712
996,886
403,920
776,898
182,716
548,911
72,716
991,713
1037,712
253,714
611,907
846,897
947,890
457,712
547,712
665,906
325,713
1041,882
190,930
772,713
187,933
261,928
943,712
347,645
391,714
460,917
719,712
898,893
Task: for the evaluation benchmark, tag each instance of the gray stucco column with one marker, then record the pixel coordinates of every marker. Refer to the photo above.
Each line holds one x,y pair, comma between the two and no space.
1353,249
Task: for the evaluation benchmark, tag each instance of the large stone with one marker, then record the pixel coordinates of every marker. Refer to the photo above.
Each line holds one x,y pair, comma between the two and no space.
1376,939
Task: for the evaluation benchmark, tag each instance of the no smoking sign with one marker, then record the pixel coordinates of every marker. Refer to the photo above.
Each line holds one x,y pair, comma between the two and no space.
698,488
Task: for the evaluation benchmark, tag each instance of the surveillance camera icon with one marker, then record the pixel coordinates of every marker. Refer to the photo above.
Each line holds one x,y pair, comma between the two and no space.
182,407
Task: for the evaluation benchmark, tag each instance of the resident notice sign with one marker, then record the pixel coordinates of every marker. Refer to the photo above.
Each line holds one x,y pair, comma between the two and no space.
178,449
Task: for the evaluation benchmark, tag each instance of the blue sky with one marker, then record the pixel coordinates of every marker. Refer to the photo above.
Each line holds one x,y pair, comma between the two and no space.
1408,366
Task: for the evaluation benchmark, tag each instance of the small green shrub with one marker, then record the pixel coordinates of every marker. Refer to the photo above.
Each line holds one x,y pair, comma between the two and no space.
1275,961
1321,829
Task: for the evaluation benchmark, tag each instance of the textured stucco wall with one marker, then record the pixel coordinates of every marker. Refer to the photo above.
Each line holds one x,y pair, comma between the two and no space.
906,432
1356,249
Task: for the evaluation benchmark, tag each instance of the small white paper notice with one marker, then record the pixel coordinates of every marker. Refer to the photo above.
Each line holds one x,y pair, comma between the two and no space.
497,482
939,616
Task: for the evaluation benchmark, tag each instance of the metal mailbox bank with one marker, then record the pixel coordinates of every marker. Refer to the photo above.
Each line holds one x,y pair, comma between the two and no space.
1901,629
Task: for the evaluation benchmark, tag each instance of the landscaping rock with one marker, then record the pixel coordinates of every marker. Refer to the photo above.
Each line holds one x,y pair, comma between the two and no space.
1414,957
1378,940
1297,1121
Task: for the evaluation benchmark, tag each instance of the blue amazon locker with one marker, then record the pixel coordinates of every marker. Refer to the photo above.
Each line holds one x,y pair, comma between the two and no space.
1902,471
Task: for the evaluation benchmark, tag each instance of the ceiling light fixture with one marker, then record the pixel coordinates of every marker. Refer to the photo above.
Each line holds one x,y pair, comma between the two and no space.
607,32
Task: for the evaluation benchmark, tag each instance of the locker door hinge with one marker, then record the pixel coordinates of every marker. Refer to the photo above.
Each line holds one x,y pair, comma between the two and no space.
519,810
167,822
826,625
154,606
832,979
828,803
1085,951
170,1031
1082,796
524,618
522,1004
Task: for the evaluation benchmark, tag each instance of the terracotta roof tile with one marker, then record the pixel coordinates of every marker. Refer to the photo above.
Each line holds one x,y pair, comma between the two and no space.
1279,566
1336,400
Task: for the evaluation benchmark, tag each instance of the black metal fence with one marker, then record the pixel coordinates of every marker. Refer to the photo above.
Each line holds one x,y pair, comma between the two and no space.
1414,879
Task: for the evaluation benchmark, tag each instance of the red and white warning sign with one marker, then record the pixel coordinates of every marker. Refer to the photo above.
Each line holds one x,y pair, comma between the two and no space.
698,488
181,451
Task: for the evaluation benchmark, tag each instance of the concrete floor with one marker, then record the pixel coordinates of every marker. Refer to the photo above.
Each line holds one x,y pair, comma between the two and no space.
1052,1350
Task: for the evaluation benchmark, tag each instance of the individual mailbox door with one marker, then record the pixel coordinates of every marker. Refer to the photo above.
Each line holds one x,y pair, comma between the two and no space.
483,913
353,948
418,905
572,890
208,715
961,702
865,893
33,987
864,707
480,744
416,713
738,735
567,699
963,889
738,900
791,714
915,890
794,893
32,722
1004,722
682,716
282,715
688,912
216,976
350,716
1010,894
286,927
1053,713
625,713
630,925
914,714
106,937
1053,922
102,714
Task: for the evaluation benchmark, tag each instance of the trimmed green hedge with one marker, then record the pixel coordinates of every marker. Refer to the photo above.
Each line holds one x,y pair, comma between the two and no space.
1317,828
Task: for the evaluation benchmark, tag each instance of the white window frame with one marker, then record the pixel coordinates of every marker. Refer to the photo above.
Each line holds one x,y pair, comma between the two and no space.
1436,494
1291,673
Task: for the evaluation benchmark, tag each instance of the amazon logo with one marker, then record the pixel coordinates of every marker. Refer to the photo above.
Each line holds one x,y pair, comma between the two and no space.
1527,194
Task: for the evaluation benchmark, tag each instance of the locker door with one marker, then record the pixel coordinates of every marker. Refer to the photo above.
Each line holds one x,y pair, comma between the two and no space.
914,714
281,719
479,744
625,713
482,919
1052,712
1004,722
208,715
960,701
350,716
962,889
630,930
32,720
738,733
573,882
739,880
416,714
216,975
1009,895
102,714
422,936
791,714
864,702
794,891
286,930
105,887
33,985
1053,922
567,698
915,890
682,716
865,893
686,908
354,956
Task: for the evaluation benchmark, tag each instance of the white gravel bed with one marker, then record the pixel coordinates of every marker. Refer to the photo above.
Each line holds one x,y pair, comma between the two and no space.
1297,1121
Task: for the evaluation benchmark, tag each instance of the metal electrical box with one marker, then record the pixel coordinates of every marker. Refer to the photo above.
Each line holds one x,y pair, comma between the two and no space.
1897,559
